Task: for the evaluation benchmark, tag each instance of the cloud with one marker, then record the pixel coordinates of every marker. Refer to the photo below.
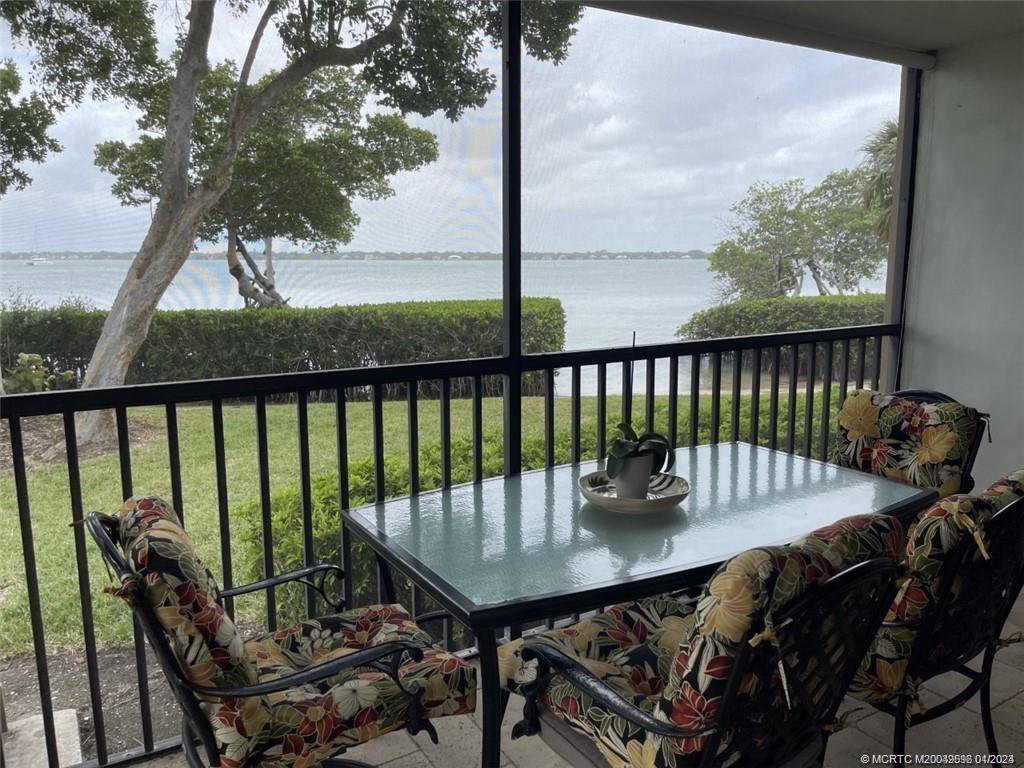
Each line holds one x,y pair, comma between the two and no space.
641,139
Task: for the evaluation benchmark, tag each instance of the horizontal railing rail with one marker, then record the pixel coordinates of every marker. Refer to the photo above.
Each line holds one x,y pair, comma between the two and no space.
746,388
42,403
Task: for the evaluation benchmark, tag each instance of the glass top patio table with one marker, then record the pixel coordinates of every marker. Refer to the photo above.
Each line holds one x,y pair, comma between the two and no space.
509,541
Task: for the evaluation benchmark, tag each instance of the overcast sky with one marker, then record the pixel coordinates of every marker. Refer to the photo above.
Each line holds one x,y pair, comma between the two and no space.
640,140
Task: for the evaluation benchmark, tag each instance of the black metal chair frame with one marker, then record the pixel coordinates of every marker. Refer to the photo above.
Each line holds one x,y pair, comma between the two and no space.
933,396
385,657
980,628
798,647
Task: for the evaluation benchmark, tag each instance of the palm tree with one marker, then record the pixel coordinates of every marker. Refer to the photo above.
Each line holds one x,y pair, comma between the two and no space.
880,161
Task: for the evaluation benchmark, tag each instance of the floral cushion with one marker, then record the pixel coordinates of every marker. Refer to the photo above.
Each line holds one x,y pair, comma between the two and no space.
741,599
882,674
304,724
925,444
630,645
183,595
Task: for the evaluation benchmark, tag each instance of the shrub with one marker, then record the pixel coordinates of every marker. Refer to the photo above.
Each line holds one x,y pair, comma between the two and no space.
31,375
257,341
791,313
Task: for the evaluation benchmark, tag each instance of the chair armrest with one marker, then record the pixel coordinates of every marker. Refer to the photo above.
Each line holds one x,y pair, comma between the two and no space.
903,623
313,576
582,678
368,657
432,616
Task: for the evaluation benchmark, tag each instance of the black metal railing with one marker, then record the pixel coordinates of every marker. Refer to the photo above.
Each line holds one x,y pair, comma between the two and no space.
765,374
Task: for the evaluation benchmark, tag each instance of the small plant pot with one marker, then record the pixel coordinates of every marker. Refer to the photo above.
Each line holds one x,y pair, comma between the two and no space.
635,477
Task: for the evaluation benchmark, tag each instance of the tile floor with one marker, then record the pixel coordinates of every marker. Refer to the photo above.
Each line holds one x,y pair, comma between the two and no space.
869,731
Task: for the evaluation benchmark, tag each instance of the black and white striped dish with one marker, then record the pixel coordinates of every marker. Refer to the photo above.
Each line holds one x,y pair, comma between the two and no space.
664,492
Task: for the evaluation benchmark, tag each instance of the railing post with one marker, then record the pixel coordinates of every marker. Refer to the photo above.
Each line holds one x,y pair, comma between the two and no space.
511,246
899,244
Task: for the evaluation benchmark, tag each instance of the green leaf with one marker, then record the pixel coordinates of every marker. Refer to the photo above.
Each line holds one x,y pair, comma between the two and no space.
664,456
623,449
627,431
614,466
658,450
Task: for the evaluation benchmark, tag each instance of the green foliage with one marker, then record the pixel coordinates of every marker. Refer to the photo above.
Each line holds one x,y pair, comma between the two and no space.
880,177
298,169
79,49
419,56
791,313
85,48
286,510
784,233
24,138
434,64
30,374
629,445
210,343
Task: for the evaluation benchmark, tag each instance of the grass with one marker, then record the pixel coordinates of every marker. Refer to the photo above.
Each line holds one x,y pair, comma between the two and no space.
50,502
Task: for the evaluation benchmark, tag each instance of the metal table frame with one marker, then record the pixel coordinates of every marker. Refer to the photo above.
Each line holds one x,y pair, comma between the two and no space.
488,622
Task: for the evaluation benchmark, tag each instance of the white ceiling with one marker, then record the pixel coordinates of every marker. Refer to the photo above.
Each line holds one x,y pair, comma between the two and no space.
896,30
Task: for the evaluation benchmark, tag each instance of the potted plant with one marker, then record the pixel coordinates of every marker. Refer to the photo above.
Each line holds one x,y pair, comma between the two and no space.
632,460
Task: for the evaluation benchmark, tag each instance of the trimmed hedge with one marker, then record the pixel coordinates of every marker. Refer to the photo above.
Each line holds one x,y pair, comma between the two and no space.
213,343
790,313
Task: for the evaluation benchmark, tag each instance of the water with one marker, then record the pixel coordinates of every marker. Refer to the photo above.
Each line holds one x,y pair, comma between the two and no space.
604,301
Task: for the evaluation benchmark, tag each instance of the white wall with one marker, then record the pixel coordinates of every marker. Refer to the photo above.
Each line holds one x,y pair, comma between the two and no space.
965,291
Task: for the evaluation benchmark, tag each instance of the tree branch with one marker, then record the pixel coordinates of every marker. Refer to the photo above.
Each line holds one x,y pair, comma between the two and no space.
254,290
181,107
309,62
174,180
250,57
291,76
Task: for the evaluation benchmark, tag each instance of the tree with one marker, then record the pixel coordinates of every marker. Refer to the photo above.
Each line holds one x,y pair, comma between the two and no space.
24,138
760,260
296,172
880,180
82,48
783,233
840,247
415,56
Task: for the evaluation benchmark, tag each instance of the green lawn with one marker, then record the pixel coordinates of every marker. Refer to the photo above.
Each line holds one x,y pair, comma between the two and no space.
50,498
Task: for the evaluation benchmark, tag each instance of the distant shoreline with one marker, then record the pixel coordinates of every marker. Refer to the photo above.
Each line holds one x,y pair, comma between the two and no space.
375,256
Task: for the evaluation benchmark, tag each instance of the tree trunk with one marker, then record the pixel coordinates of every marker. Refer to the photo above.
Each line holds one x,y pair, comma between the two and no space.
164,251
257,290
818,280
172,230
171,233
268,259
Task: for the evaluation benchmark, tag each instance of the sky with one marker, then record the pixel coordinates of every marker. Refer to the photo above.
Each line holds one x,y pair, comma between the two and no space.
641,140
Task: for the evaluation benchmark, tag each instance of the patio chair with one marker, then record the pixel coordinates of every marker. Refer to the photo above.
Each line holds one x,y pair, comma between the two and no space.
965,559
296,696
915,436
768,652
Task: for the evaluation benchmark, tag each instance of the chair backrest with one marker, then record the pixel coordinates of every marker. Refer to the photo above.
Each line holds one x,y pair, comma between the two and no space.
914,436
182,593
104,530
176,601
940,546
978,582
772,601
806,672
